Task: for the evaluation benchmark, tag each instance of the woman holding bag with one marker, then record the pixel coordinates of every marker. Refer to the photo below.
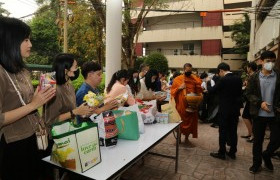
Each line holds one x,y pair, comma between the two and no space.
19,156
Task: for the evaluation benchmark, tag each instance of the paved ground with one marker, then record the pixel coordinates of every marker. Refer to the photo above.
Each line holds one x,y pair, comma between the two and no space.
195,163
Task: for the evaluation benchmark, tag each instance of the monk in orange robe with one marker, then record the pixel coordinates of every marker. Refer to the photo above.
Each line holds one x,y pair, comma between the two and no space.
190,84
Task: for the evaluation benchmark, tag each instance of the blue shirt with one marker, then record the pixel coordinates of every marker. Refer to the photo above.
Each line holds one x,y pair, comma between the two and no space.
84,89
267,84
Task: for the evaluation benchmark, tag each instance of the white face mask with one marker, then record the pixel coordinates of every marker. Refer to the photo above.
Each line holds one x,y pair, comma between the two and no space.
135,80
268,66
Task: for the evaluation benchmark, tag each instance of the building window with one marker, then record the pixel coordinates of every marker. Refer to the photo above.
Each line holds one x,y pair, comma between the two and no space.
158,49
175,52
188,49
189,46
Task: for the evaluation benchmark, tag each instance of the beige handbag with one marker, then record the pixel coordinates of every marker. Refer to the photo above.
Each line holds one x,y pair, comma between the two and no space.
40,130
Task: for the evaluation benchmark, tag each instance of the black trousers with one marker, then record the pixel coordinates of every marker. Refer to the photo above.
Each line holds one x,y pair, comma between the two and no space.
19,159
228,133
259,127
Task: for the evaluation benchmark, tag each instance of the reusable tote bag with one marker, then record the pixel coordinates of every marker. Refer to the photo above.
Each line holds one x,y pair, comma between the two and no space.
75,148
127,123
135,108
170,109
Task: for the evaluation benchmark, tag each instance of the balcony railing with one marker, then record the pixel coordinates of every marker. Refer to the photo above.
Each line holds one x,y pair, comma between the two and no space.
181,34
174,52
197,61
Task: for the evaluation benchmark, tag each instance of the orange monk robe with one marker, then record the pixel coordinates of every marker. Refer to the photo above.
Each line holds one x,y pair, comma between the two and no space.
190,119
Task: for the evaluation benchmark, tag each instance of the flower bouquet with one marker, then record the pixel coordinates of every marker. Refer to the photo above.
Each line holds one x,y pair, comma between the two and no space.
93,100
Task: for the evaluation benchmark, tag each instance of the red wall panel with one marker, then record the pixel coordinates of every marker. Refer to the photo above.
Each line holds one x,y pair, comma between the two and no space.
212,19
139,49
211,47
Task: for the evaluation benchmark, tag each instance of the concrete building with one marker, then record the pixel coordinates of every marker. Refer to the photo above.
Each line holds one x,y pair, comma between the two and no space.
185,36
202,39
265,28
229,18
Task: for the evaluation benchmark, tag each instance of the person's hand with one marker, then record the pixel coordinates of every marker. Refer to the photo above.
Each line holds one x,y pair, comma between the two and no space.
161,98
42,96
84,110
111,104
264,106
245,83
183,86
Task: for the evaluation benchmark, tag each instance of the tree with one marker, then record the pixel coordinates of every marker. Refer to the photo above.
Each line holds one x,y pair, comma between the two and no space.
86,32
3,12
130,27
158,62
85,39
44,37
241,35
139,61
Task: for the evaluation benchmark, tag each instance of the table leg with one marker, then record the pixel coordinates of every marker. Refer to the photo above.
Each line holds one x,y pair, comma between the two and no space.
56,174
177,148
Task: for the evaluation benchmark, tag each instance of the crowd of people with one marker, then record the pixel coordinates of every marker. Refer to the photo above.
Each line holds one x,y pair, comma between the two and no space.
223,96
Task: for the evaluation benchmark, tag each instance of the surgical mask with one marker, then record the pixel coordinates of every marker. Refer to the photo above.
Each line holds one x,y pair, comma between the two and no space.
188,73
268,66
135,80
76,75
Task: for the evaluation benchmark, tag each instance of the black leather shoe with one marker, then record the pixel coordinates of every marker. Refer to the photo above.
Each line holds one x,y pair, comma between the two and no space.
218,155
255,169
231,155
267,162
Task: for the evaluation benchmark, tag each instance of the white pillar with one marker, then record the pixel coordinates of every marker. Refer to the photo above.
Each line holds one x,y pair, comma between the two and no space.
113,38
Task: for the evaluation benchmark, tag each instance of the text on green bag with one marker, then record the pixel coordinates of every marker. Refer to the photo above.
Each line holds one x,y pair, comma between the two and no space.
63,144
87,148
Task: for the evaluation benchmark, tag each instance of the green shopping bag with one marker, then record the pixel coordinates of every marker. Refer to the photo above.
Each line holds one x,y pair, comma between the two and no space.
75,147
127,123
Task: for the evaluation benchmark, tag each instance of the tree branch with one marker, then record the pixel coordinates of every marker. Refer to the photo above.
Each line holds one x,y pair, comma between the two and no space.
100,11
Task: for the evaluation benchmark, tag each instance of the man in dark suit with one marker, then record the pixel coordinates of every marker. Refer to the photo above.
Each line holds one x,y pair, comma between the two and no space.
229,90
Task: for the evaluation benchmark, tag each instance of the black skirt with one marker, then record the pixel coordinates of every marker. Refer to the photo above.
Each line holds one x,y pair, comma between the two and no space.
246,111
19,160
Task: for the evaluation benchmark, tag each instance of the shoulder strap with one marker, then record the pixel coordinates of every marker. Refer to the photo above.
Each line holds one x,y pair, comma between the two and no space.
18,93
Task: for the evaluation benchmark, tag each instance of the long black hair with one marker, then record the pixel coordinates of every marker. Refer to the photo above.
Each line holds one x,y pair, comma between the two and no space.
148,79
116,77
62,61
12,34
135,86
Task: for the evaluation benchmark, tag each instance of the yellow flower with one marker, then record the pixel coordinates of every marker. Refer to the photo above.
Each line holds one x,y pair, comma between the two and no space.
92,99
